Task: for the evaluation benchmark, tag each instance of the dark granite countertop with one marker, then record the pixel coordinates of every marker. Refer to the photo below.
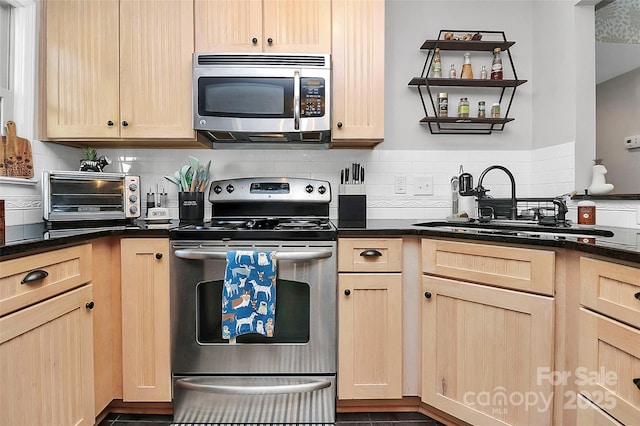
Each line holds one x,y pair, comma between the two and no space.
33,238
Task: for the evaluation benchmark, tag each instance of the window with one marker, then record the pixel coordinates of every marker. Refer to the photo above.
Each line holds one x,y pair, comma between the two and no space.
6,62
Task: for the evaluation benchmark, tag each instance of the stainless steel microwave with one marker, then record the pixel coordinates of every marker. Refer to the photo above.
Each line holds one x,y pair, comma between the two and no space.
262,98
89,196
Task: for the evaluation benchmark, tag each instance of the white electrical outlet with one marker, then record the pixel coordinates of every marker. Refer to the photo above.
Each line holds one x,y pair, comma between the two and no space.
631,142
401,185
423,185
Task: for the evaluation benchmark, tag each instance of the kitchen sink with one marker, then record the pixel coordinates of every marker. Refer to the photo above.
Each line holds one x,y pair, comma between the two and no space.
516,228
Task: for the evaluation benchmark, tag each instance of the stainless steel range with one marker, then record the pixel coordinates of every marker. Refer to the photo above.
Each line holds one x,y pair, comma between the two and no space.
288,377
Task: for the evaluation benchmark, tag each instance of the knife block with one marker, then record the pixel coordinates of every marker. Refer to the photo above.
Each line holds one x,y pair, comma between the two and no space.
352,207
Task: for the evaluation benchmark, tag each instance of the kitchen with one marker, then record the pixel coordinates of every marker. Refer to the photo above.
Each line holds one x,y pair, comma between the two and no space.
552,154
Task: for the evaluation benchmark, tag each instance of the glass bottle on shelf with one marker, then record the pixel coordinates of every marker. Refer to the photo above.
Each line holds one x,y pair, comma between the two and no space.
483,73
452,72
436,65
496,65
463,107
467,72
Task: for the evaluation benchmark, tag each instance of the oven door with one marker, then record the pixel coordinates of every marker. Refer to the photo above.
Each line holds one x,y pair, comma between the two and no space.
304,339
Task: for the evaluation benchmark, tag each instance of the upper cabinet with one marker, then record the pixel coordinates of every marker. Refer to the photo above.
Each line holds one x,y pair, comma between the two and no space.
274,26
118,70
358,73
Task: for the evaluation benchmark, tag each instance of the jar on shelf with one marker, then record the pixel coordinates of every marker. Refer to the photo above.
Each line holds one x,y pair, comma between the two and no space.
463,107
443,105
495,110
467,72
482,110
452,72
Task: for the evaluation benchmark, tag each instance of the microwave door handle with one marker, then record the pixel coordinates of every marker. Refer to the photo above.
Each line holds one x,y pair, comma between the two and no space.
296,100
300,256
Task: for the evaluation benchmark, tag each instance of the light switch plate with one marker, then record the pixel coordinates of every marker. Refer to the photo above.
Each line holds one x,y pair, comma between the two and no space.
401,185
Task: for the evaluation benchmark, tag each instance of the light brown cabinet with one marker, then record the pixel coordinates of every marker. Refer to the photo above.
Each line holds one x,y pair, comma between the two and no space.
484,341
273,26
46,342
118,71
146,369
369,318
358,73
609,339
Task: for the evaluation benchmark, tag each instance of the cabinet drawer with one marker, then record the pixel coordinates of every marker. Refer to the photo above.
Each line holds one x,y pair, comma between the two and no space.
508,267
53,273
611,289
370,255
609,359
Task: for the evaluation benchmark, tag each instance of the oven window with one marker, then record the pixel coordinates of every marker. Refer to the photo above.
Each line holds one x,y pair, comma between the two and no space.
96,195
256,97
292,314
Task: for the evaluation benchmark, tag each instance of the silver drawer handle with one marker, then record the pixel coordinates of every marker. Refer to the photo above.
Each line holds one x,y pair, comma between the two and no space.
200,384
196,254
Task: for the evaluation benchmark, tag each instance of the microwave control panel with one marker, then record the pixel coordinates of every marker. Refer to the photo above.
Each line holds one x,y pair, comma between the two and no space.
312,97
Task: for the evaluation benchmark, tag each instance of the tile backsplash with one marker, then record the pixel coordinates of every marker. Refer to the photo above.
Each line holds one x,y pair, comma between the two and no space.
538,173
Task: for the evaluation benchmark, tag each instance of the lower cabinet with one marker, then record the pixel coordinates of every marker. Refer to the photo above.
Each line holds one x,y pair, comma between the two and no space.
370,336
609,340
146,369
485,348
46,362
369,318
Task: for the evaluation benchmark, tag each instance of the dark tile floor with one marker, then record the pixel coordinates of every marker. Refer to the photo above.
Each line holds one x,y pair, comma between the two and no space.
343,419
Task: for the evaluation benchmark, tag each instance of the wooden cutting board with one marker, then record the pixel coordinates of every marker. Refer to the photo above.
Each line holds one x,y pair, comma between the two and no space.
16,159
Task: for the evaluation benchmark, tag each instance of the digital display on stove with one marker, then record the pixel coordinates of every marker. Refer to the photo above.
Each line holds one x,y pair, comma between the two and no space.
269,188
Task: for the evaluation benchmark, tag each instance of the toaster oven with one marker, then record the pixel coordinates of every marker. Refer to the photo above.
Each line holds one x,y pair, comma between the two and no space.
70,196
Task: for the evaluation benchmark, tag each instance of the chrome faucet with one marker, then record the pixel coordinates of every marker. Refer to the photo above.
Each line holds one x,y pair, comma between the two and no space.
481,192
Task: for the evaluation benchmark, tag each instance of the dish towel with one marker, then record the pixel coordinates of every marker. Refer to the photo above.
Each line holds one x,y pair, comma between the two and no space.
249,293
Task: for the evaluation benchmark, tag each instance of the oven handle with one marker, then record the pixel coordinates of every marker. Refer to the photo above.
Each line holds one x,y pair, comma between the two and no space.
299,256
199,384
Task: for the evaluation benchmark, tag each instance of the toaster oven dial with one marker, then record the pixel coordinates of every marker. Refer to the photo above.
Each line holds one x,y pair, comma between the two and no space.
133,198
133,187
133,209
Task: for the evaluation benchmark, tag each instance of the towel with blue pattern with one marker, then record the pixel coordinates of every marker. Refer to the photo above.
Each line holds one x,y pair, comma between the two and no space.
249,293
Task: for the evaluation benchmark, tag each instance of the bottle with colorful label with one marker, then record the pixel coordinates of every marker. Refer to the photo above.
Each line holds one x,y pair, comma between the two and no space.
496,65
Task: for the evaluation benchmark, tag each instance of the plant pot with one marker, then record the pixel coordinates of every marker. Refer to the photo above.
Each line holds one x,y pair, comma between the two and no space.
191,207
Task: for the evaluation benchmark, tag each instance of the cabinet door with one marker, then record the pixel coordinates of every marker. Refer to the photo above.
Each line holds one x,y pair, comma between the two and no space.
156,47
370,336
46,362
82,68
146,371
358,73
297,26
609,366
481,351
228,26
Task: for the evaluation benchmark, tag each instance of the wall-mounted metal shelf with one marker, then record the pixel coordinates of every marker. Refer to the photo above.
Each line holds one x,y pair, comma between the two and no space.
465,125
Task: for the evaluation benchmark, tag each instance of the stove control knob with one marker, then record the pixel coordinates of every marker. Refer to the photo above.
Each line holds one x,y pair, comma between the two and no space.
133,187
230,188
309,189
217,189
322,189
133,198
